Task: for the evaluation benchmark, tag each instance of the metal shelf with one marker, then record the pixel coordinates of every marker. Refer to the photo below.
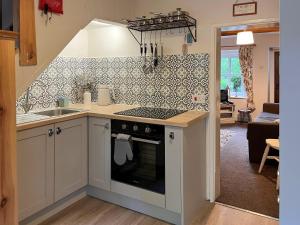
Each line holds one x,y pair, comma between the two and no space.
163,23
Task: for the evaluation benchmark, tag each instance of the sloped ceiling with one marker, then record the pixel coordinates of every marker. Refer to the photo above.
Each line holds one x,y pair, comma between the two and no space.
53,37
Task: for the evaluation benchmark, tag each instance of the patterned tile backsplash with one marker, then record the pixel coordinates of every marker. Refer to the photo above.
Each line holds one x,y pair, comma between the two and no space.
171,85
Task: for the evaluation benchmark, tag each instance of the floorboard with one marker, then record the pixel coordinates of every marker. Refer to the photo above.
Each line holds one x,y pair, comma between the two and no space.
91,211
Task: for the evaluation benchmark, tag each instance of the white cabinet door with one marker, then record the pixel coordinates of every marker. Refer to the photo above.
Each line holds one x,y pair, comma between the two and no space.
174,145
35,166
99,153
70,157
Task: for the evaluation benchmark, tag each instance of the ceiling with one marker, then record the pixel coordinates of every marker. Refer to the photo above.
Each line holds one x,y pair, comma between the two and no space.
255,28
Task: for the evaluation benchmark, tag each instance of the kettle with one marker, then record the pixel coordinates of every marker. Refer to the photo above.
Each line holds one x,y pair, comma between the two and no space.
104,95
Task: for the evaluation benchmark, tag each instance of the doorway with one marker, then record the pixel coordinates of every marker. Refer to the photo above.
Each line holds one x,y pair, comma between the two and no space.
240,184
276,76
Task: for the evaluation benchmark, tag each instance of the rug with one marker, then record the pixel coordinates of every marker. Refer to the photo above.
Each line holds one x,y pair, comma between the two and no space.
241,185
225,136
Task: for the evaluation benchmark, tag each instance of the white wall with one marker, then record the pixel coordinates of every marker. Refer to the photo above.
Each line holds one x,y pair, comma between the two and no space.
111,41
78,46
289,109
117,41
260,68
207,13
52,38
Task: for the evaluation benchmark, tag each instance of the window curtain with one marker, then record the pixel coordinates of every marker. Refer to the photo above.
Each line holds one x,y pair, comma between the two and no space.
246,61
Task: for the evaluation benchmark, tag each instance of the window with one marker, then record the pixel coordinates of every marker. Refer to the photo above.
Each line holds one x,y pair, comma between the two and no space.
231,75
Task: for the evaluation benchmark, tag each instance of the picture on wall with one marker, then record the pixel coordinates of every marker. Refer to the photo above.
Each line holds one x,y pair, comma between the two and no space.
246,8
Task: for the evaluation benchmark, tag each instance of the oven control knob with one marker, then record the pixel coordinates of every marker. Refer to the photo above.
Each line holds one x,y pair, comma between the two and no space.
147,130
135,128
124,126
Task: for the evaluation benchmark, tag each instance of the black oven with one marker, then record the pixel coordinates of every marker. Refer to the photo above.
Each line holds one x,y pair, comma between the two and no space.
146,168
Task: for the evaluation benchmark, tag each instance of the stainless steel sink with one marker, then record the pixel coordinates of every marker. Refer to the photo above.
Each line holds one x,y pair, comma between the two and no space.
57,112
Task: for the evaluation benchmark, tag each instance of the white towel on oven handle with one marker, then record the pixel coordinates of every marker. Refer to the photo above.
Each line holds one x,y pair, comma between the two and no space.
123,149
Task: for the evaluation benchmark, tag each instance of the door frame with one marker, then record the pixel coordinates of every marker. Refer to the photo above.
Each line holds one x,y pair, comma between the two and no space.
213,137
276,75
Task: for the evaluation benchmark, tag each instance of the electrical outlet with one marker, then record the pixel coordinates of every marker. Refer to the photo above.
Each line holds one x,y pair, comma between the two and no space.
198,99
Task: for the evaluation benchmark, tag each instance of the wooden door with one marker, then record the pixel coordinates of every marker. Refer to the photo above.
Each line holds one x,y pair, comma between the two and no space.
35,167
70,157
276,76
99,153
8,200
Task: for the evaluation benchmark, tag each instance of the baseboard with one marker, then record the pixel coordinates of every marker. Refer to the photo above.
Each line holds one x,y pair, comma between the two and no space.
54,208
135,205
126,202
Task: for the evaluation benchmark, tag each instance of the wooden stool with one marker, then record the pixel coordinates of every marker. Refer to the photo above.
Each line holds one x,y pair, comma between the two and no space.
271,143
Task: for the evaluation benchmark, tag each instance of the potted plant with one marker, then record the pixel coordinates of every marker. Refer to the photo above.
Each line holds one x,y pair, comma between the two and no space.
236,83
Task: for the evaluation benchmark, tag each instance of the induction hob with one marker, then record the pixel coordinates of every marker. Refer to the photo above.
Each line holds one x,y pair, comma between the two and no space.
153,113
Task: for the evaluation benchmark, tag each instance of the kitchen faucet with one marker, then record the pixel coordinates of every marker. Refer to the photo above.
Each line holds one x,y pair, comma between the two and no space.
26,105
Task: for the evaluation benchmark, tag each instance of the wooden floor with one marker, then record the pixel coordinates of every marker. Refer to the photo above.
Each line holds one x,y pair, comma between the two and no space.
90,211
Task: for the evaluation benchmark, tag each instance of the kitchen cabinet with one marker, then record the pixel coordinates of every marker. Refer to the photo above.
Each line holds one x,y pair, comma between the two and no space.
35,168
186,171
70,157
173,144
51,164
99,153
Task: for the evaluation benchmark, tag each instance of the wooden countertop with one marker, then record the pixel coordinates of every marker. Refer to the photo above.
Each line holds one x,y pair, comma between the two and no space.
181,120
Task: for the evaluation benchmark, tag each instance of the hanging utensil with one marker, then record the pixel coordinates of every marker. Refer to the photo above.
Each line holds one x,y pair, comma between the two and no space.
152,58
150,67
145,55
141,48
185,45
161,47
155,60
145,58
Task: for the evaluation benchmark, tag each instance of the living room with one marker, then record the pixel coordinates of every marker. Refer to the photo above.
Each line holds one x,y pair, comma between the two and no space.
249,112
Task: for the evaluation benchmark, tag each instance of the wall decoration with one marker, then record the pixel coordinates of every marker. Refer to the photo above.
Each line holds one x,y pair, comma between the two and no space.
172,84
51,6
246,8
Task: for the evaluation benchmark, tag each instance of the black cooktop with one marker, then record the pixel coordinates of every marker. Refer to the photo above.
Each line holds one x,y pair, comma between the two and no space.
153,113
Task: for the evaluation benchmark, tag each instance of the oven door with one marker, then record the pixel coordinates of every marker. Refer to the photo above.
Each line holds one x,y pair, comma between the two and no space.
147,167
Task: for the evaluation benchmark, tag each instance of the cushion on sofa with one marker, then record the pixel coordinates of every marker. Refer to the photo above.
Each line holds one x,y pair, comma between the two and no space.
266,117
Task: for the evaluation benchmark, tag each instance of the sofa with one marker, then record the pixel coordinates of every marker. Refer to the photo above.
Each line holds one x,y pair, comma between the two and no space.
264,126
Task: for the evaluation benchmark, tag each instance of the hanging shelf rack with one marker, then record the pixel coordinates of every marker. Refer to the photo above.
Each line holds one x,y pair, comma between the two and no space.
160,23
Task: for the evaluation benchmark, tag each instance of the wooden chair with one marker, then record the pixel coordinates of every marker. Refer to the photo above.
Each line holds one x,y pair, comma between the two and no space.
271,143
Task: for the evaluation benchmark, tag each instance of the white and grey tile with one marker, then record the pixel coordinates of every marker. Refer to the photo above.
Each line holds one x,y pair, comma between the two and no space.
171,85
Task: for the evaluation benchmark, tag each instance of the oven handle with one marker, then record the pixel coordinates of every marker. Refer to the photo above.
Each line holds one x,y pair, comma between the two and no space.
141,140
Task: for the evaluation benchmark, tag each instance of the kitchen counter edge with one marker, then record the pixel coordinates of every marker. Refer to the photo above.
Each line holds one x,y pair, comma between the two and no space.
183,120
